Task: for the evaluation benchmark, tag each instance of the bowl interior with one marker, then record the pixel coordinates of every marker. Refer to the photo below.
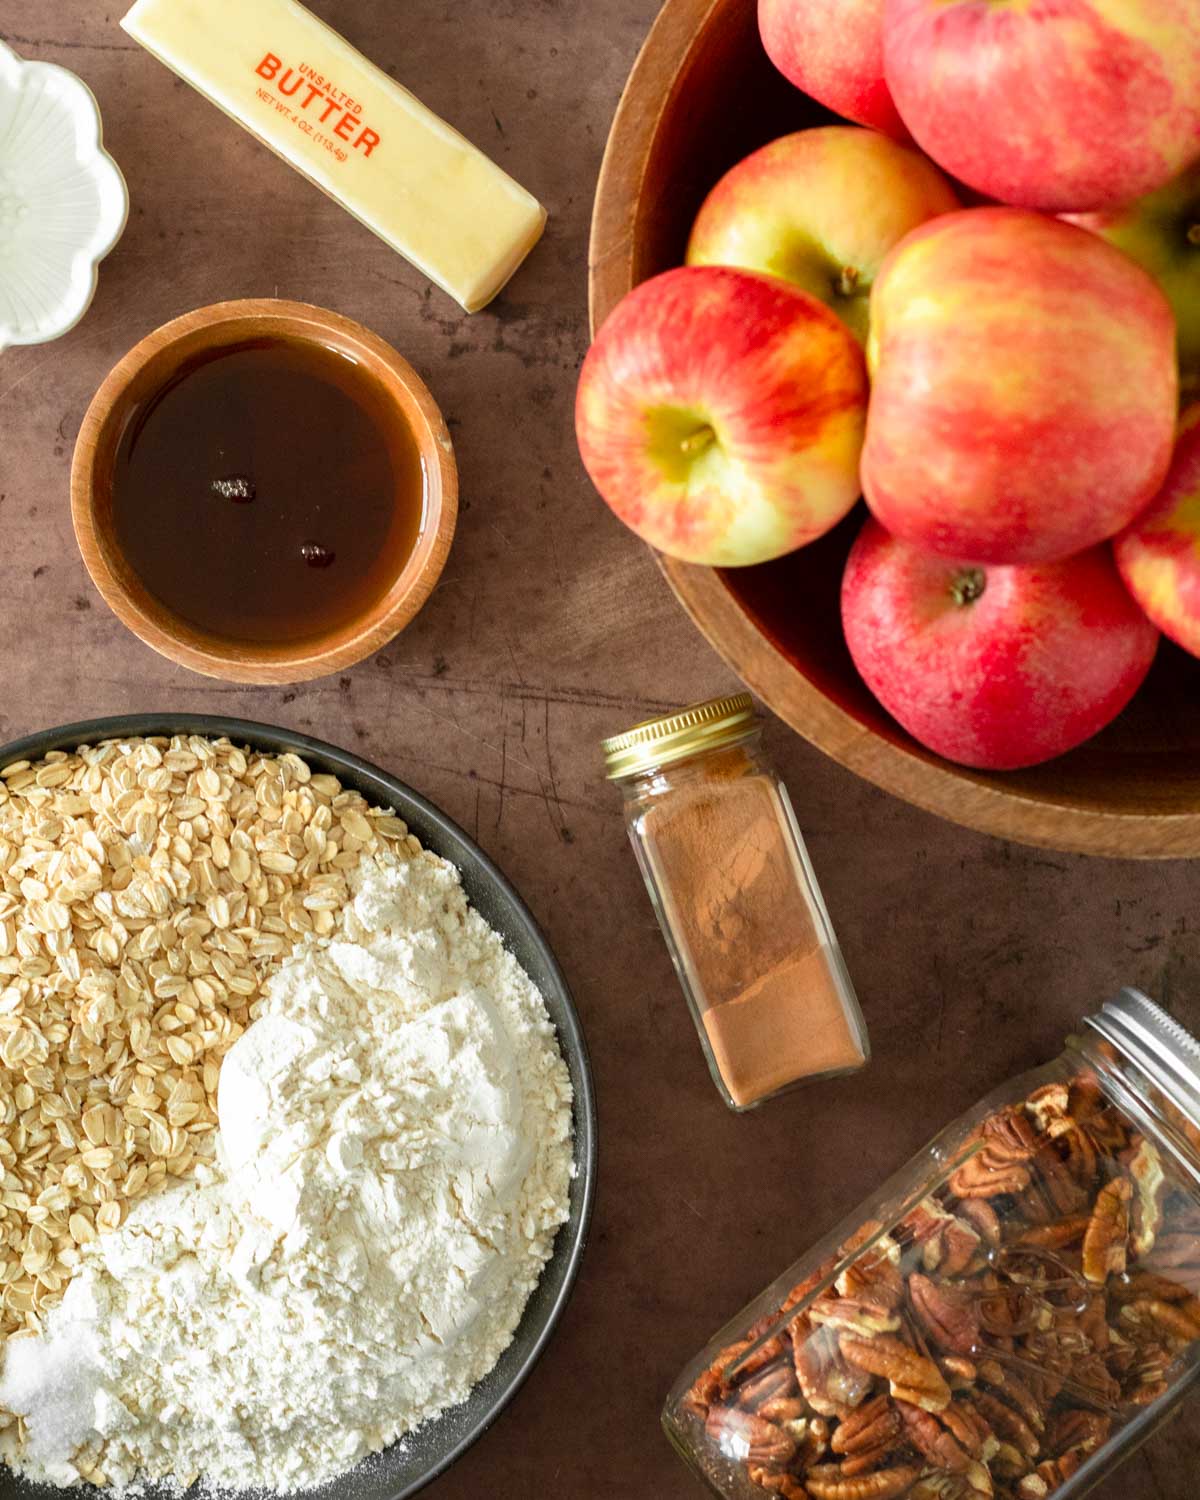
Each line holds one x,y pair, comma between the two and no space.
702,95
407,1466
399,402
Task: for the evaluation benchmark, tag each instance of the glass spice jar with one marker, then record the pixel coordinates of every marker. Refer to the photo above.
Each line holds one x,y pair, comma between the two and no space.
1010,1316
737,901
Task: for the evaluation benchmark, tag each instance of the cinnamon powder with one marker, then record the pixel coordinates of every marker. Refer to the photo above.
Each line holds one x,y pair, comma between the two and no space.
774,1002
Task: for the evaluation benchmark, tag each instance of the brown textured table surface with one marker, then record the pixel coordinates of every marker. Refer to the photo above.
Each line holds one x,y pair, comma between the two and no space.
551,628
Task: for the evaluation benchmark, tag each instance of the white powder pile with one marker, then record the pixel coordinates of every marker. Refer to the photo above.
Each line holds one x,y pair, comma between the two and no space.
394,1162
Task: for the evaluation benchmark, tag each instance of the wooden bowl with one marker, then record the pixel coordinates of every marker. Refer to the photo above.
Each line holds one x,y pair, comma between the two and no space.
147,368
701,95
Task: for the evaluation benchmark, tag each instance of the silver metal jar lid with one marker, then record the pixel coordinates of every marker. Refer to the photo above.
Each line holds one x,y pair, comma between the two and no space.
1158,1044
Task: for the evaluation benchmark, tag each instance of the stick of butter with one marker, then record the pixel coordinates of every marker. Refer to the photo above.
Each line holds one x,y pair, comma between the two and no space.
304,91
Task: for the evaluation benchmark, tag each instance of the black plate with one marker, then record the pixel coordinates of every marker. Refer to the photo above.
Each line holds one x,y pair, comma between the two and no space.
406,1468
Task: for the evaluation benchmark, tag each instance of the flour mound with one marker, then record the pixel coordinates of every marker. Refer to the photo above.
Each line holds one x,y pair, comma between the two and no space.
393,1164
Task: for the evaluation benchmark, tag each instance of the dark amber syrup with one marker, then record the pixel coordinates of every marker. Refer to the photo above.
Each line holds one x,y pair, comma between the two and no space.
270,492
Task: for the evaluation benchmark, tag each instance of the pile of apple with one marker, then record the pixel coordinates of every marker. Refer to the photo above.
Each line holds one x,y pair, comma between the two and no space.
1000,382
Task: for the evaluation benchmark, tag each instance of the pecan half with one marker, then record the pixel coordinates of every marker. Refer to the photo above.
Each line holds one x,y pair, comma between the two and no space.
1149,1180
1049,1474
946,1315
1050,1107
875,1273
980,1214
1006,1423
1060,1180
1150,1284
911,1376
1076,1428
932,1440
785,1485
1008,1462
948,1243
767,1385
868,1437
1056,1236
830,1386
943,1487
742,1435
872,1421
1177,1253
1104,1243
1014,1390
970,1427
960,1373
1174,1322
858,1315
1001,1165
827,1482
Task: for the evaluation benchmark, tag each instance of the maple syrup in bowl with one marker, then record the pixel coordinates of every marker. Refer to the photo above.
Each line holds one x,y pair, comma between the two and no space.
264,491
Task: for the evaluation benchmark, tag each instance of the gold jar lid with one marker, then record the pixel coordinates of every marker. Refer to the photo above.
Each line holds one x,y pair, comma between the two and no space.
658,742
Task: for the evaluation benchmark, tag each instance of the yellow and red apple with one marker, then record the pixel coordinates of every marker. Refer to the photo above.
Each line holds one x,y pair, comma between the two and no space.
833,50
1070,106
1162,233
1159,555
996,667
720,414
821,208
1025,388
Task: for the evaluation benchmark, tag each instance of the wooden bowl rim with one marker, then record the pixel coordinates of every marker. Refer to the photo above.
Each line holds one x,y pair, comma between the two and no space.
267,662
953,792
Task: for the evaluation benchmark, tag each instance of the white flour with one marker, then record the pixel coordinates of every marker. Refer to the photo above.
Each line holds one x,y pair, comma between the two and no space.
394,1162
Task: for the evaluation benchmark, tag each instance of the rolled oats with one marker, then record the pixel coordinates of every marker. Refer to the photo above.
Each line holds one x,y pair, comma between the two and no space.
147,888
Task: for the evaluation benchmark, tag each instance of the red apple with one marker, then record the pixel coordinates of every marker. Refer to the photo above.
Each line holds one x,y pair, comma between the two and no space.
833,50
1159,556
820,208
720,414
1051,104
1162,233
1025,388
993,667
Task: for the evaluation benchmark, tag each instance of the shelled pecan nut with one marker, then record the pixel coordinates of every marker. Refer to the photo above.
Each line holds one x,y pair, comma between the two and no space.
742,1435
945,1314
948,1243
867,1426
1014,1390
1054,1236
1007,1423
787,1486
1104,1240
767,1385
1001,1165
934,1442
1175,1323
827,1482
875,1271
911,1376
858,1315
1077,1429
868,1437
1149,1179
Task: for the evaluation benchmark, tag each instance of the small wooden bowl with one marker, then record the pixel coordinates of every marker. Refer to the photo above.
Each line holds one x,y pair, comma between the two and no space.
701,95
146,369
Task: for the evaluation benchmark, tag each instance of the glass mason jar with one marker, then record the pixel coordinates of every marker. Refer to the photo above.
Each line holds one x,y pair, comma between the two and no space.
737,901
1010,1316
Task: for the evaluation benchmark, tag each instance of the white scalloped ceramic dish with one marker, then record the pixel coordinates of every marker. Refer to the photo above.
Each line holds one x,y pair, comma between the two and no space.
63,201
